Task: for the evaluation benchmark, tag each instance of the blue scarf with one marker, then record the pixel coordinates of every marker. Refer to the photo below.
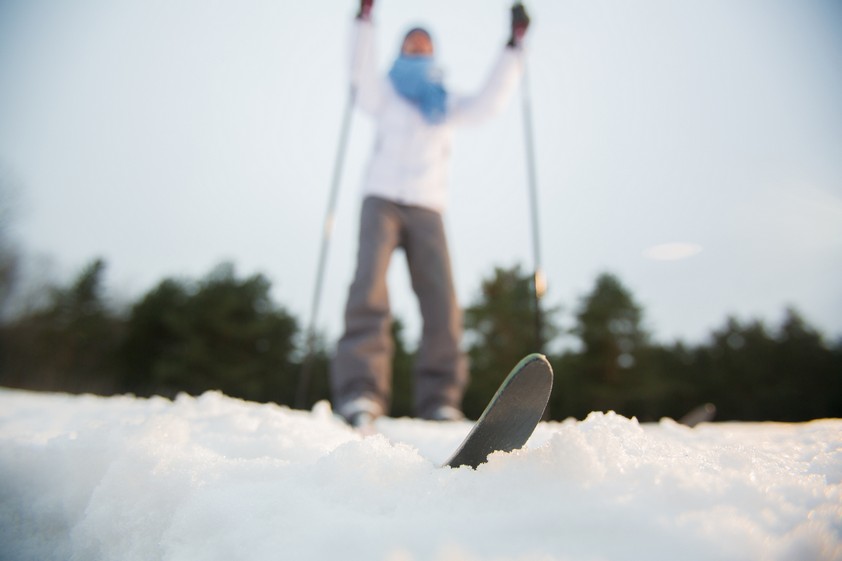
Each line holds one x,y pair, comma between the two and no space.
417,79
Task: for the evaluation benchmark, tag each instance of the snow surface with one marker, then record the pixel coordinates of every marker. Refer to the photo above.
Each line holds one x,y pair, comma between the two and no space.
214,478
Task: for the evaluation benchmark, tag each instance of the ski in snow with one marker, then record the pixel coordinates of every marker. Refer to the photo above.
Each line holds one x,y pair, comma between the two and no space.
512,414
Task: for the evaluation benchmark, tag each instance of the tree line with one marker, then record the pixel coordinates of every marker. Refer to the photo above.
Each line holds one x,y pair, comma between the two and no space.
746,369
224,332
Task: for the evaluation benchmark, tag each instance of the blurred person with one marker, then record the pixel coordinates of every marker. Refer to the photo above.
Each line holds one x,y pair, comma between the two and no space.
404,198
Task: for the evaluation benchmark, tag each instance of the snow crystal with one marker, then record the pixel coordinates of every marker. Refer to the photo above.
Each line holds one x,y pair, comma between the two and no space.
214,478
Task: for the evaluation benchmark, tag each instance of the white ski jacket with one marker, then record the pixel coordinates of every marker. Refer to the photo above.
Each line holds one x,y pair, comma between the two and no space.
410,161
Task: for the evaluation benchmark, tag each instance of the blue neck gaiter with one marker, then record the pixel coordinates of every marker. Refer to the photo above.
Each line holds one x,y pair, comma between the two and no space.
418,79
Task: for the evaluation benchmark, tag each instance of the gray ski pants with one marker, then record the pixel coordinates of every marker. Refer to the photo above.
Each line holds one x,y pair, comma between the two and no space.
361,367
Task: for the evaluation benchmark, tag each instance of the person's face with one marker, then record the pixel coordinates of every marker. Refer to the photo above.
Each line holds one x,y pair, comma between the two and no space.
417,43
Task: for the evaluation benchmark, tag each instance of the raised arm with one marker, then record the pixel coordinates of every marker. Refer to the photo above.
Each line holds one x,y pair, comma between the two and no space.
498,87
367,84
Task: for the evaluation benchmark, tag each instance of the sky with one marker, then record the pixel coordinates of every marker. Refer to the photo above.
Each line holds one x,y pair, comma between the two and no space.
694,149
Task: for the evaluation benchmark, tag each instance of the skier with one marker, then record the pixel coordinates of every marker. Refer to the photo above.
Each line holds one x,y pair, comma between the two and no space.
404,197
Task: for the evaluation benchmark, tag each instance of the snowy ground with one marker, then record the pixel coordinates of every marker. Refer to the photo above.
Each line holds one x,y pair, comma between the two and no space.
213,478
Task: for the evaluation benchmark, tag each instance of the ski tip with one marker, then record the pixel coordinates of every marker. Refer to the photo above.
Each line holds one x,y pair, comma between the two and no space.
536,356
531,358
535,364
528,367
512,414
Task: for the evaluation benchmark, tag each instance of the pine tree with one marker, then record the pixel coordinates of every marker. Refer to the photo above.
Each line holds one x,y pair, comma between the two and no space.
222,333
609,324
500,331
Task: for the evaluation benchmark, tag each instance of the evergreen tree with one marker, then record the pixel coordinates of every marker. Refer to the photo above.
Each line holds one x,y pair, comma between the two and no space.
615,347
8,255
70,345
752,374
222,334
804,375
500,331
609,325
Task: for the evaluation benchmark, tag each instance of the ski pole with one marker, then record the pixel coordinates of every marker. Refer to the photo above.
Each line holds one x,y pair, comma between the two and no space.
303,389
539,283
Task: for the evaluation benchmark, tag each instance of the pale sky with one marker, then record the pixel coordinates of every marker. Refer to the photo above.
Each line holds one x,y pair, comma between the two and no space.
167,137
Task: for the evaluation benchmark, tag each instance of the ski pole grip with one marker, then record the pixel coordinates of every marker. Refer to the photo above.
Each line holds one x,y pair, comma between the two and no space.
365,9
520,23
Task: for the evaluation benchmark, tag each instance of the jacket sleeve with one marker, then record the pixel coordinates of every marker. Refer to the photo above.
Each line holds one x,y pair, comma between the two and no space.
495,93
367,84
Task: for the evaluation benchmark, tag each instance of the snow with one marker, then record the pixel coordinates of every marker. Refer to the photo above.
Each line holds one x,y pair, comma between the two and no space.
215,478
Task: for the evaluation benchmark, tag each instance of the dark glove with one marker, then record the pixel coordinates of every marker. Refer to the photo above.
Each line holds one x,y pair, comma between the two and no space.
520,23
365,9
